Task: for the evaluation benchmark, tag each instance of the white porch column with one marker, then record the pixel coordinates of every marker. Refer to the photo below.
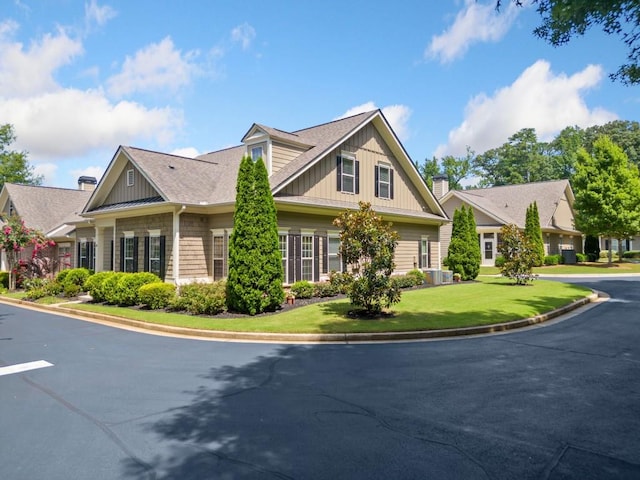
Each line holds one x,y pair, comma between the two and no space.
175,271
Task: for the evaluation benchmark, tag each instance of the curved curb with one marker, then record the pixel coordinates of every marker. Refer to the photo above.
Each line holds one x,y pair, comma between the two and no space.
347,338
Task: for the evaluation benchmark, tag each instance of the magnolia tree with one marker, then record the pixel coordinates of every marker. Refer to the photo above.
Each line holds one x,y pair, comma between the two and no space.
520,255
15,237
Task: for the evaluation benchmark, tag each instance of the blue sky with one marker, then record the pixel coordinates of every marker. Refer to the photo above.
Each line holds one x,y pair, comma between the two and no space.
79,78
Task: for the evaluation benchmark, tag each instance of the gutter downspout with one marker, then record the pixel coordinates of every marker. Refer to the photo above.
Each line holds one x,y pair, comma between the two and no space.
176,244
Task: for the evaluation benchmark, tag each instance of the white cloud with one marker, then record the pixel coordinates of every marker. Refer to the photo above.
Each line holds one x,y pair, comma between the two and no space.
100,15
92,171
72,122
189,152
243,34
28,72
474,23
537,99
397,115
48,172
157,66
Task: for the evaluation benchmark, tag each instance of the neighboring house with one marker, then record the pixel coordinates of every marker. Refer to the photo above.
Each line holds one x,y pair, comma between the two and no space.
498,206
56,213
173,215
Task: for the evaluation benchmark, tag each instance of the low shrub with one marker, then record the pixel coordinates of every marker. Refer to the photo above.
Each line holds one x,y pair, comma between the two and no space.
341,281
324,289
631,254
110,287
552,259
605,253
156,295
129,284
62,275
418,276
95,285
75,276
71,290
499,261
592,257
581,257
4,279
201,298
302,289
403,281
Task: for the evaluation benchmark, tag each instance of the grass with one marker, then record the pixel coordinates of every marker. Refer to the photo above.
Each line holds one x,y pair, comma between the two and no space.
579,269
490,300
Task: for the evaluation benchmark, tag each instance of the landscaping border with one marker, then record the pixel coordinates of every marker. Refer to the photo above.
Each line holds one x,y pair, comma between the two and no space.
347,338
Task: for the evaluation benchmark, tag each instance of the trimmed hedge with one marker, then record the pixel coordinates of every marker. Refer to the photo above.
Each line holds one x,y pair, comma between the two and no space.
552,259
157,295
302,289
631,254
74,276
201,298
418,276
324,289
128,285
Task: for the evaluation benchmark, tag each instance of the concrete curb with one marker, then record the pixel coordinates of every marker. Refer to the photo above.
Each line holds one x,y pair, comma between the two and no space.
305,337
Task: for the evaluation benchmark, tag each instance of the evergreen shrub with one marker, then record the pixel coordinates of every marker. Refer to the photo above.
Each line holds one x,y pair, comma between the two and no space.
324,289
129,284
157,295
418,276
302,289
201,298
75,276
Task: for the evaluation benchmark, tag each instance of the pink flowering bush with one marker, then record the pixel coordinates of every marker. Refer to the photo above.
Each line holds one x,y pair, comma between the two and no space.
15,237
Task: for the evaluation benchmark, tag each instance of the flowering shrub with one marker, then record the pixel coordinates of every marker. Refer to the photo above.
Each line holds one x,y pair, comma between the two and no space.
15,237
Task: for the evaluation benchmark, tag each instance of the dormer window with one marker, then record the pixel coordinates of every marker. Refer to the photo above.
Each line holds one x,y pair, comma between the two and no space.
256,153
130,178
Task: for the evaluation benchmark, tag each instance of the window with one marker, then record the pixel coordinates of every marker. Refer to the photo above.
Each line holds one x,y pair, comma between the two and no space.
64,256
129,254
86,254
384,181
154,255
218,257
130,178
307,258
282,240
348,174
425,253
82,254
333,252
256,153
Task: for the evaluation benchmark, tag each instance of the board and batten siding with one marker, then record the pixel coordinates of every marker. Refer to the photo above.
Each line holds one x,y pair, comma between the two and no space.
281,154
369,149
140,189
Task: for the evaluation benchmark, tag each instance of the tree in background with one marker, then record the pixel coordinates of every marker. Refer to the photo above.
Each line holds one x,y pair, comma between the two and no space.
592,248
254,283
564,19
428,170
456,169
624,133
368,244
15,237
607,187
533,233
14,167
519,255
475,256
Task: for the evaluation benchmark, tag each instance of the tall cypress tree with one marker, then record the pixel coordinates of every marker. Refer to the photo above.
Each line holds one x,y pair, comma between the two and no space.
254,284
475,258
533,232
458,254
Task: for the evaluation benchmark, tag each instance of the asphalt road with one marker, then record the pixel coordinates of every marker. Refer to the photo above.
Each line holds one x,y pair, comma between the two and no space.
559,401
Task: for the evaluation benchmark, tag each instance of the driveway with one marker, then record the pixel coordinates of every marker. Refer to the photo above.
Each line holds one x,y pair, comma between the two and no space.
557,401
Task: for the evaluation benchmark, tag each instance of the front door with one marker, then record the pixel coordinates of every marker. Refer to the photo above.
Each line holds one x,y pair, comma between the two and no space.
488,249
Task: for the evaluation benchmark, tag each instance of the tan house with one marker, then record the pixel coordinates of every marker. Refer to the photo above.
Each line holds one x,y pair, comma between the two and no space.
56,213
498,206
173,215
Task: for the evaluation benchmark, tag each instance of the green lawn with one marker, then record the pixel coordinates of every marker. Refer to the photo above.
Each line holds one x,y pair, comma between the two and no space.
490,300
583,268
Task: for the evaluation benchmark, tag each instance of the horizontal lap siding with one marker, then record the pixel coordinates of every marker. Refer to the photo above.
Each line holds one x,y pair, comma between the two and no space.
408,248
369,149
140,227
282,154
106,251
195,246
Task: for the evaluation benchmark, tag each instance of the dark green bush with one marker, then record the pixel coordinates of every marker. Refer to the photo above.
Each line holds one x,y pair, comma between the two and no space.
417,275
403,281
75,276
62,275
552,260
157,295
201,298
324,289
302,289
581,257
631,254
499,261
129,284
71,290
592,248
4,279
341,281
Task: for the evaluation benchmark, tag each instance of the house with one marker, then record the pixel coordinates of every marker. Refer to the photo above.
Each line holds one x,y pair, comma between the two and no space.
173,215
498,206
56,213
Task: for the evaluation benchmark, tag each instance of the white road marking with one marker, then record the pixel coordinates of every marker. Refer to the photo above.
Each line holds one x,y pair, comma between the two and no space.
23,367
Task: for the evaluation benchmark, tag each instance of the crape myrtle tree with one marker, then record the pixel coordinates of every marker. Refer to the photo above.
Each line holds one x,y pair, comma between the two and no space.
519,255
368,244
607,187
533,232
15,237
254,283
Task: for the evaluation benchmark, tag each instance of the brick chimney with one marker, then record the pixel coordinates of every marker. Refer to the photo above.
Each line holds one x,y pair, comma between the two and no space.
440,186
87,184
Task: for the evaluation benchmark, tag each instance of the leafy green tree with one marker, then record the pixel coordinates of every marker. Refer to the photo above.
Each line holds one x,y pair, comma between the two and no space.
564,19
533,233
519,255
368,244
254,283
14,167
456,169
624,133
475,256
607,194
592,248
562,152
428,170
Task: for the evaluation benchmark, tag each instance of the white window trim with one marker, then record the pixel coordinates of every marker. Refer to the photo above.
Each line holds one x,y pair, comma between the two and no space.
308,233
220,232
128,234
285,233
425,238
130,177
333,234
387,183
352,157
154,233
